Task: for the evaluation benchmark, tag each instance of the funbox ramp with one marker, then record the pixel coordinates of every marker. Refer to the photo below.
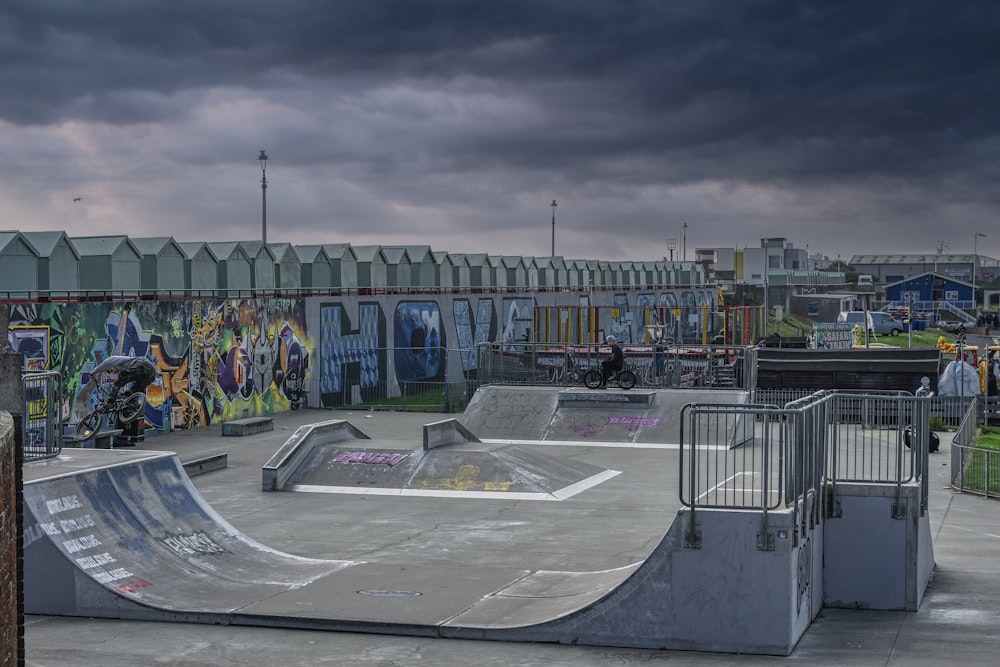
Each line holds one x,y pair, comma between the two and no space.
635,417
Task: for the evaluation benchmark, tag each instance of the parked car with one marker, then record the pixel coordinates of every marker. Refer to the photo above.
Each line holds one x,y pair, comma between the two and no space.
878,322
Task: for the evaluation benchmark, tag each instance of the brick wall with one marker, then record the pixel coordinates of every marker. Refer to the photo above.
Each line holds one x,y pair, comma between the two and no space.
11,553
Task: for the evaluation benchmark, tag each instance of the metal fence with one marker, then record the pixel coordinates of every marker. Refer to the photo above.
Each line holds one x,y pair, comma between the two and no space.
42,433
974,469
765,458
670,365
946,412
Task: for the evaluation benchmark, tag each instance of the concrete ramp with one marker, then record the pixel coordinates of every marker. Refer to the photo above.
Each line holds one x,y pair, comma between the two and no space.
116,536
133,538
630,418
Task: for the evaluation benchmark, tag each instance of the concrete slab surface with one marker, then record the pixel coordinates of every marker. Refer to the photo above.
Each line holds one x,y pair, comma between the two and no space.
627,514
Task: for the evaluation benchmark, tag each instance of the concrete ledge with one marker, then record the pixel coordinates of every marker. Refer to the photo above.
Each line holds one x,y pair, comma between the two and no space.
248,426
590,398
106,439
280,467
447,432
201,465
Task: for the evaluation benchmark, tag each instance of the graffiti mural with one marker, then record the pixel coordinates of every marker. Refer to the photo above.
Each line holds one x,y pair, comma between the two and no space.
518,315
204,353
621,319
472,332
352,360
419,341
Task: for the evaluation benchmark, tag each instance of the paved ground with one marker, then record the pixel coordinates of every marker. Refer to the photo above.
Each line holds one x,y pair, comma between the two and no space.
956,624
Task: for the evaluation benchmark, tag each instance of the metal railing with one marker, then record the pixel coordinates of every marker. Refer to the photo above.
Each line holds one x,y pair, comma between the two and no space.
946,412
42,433
671,365
974,470
766,458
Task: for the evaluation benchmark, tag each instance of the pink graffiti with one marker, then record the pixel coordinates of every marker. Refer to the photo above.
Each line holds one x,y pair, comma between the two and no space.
374,458
586,429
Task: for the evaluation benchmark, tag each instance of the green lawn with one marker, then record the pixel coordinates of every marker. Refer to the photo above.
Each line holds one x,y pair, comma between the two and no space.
982,471
792,325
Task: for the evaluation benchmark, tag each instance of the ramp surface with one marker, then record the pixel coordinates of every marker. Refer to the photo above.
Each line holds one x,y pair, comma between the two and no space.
507,413
130,537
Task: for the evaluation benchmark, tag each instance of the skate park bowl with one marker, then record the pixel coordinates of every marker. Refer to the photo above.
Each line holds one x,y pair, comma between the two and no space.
745,558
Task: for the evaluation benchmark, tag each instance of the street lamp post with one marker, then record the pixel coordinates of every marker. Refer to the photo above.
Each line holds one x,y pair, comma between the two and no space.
263,195
975,265
553,227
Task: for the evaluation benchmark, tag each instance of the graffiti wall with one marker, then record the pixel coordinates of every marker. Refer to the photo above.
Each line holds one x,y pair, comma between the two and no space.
223,359
214,360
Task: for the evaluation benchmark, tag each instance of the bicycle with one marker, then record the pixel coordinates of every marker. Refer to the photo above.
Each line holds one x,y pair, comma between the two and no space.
624,378
123,410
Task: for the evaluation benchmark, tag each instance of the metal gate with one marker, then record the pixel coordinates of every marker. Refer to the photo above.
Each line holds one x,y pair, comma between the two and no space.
42,432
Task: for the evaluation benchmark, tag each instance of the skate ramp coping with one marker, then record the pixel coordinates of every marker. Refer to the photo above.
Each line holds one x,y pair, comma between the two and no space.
284,463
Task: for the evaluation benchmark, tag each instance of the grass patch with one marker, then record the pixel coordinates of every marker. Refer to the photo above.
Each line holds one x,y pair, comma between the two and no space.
418,397
982,470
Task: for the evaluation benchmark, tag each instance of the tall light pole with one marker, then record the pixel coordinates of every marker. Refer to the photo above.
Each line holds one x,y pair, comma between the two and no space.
975,264
554,227
685,239
263,195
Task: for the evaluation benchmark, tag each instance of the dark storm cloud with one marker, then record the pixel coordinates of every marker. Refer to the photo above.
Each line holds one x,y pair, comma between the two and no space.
889,103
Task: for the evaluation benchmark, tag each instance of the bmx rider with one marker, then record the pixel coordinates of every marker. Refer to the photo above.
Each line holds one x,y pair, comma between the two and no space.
613,363
140,371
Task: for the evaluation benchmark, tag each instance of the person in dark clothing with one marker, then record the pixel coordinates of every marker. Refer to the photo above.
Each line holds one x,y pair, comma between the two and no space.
613,363
140,371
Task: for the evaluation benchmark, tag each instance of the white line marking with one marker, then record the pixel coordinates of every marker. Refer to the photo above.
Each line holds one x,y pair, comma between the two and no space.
558,495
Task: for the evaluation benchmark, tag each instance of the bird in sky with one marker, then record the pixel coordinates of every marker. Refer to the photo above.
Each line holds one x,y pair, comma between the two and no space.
76,199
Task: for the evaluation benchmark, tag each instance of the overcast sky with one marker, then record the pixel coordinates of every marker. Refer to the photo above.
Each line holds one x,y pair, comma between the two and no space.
848,127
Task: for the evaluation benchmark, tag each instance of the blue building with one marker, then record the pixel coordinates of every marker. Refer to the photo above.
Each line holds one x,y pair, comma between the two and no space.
933,293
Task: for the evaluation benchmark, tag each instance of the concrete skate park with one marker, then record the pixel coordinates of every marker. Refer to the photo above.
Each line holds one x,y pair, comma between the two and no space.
644,519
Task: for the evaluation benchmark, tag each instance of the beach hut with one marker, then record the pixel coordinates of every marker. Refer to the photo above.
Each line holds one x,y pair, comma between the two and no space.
108,263
316,270
397,267
287,267
423,268
234,268
371,267
161,266
262,263
58,261
445,274
460,270
515,272
18,265
201,267
480,275
343,265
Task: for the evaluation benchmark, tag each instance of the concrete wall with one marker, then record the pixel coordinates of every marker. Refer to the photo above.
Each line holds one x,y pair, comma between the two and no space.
219,358
878,549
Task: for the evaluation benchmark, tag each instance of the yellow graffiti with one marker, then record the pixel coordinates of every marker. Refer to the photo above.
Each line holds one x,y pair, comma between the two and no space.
465,480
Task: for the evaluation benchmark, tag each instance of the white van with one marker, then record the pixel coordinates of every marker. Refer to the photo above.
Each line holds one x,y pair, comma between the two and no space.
865,280
878,323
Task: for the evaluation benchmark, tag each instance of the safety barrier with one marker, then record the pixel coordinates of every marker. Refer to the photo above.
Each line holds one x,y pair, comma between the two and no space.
974,470
42,433
800,452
